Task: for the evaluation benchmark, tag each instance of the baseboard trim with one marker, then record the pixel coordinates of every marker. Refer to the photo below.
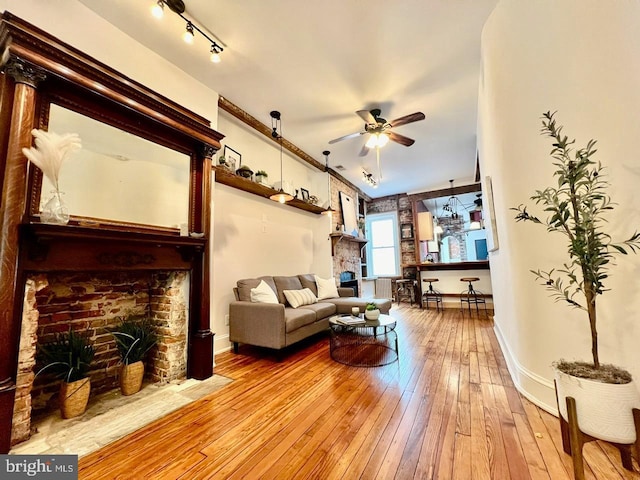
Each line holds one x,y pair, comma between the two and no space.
531,385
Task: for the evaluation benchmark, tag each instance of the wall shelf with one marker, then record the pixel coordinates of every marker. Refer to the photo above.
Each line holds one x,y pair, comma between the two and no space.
338,237
227,178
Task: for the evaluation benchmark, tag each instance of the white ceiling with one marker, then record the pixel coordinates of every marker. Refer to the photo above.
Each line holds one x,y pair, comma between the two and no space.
319,62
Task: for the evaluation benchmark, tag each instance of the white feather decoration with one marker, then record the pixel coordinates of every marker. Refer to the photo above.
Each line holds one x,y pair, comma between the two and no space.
50,152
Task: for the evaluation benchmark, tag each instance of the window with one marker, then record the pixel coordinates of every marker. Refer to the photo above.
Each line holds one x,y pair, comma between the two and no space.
382,248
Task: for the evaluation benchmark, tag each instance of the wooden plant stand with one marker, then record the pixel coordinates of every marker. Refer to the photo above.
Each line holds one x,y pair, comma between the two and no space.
573,439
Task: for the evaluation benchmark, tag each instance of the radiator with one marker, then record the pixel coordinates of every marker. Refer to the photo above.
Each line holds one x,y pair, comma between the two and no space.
383,288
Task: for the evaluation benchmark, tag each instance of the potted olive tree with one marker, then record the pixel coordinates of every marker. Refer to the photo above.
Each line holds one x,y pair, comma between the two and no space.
69,358
134,338
576,208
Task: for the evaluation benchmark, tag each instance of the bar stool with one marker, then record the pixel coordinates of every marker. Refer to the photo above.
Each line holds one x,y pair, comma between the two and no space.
405,290
431,295
471,295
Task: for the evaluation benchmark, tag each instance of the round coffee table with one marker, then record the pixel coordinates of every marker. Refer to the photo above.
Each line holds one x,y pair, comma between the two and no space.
370,344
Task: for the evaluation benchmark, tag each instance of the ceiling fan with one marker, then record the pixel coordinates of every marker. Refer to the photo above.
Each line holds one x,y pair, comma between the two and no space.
380,129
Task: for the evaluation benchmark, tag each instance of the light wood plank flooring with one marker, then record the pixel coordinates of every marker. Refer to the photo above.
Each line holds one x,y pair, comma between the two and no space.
446,410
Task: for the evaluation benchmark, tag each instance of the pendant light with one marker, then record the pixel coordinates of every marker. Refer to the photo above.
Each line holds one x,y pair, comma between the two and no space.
329,211
280,196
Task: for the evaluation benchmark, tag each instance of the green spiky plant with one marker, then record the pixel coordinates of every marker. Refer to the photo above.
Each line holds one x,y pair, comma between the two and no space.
68,357
576,208
371,306
134,338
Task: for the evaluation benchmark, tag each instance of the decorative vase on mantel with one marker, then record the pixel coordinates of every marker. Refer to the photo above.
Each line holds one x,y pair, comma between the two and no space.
54,211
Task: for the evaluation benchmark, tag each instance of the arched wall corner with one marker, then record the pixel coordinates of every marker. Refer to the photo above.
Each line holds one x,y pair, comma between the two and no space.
578,58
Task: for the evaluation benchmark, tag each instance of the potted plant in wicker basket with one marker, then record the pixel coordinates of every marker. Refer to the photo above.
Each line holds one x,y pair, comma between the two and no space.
134,338
604,394
69,358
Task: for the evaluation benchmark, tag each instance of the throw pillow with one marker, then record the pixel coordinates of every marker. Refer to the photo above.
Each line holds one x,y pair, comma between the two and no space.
326,288
263,293
297,298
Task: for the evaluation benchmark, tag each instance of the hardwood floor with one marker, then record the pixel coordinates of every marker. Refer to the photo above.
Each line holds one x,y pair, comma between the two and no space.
446,410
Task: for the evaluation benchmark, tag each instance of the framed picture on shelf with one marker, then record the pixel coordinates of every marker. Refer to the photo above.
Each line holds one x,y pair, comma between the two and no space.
406,232
234,159
305,194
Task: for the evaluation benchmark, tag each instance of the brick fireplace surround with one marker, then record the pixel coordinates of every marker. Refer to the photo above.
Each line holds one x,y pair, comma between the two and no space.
92,304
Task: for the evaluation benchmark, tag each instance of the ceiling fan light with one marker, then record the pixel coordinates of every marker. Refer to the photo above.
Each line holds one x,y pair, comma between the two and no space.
383,139
372,142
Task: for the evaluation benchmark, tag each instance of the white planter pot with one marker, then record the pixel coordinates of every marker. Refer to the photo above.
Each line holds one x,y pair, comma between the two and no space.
604,409
372,314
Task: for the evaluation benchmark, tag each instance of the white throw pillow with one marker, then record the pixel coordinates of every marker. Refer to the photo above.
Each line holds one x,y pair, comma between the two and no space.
297,298
263,293
326,288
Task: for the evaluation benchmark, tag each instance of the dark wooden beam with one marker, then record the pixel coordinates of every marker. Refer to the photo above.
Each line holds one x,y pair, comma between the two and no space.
446,192
254,123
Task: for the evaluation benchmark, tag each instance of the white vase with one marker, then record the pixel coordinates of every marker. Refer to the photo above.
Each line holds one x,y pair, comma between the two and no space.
372,314
604,409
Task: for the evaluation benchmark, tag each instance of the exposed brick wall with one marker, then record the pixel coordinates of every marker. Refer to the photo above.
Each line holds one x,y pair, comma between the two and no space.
94,303
346,254
383,205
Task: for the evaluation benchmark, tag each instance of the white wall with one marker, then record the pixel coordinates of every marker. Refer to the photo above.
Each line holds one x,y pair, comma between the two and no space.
579,57
253,236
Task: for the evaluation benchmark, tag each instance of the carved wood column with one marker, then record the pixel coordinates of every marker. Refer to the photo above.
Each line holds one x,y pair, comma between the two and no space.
200,359
12,211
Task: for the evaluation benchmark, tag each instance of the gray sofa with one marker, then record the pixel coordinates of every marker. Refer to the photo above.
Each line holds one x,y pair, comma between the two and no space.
279,325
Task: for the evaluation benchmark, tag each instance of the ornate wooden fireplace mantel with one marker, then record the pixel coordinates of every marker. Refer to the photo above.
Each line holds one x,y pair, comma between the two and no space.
38,70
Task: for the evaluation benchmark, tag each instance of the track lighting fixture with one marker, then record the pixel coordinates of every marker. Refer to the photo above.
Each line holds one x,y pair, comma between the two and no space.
177,6
188,34
280,196
368,178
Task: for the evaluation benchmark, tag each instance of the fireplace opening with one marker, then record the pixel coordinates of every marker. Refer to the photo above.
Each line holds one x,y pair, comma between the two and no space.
348,279
93,304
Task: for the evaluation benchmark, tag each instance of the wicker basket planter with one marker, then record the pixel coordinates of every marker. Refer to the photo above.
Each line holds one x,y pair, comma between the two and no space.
131,377
73,397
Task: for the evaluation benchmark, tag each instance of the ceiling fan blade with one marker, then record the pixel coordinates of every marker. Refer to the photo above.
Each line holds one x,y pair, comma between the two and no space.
364,152
351,135
401,139
413,117
367,117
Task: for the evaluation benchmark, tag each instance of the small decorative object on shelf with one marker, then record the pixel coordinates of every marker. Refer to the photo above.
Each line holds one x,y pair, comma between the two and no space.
313,200
48,155
305,194
244,171
262,177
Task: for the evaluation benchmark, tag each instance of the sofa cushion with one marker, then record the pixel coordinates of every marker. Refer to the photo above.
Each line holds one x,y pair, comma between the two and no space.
309,281
322,309
263,293
246,284
286,283
297,298
326,288
295,318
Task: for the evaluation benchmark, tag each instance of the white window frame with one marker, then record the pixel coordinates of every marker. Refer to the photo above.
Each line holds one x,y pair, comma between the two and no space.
393,216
